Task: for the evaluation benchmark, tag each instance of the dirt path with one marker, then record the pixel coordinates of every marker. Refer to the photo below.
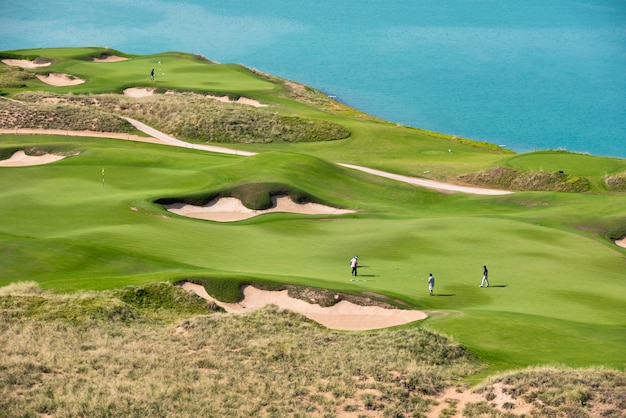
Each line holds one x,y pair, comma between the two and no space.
429,184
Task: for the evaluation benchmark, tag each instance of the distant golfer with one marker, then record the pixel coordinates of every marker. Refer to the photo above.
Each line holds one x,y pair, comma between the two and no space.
485,281
354,263
431,283
152,75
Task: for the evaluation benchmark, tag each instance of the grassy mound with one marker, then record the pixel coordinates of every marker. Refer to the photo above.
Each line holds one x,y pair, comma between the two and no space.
199,119
616,182
15,77
261,364
257,196
53,115
172,356
554,392
505,177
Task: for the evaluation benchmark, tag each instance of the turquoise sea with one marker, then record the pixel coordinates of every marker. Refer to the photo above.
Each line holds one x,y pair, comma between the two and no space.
533,74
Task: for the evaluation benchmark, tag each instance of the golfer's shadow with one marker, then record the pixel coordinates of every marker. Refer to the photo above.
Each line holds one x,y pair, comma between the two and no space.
444,294
498,285
365,275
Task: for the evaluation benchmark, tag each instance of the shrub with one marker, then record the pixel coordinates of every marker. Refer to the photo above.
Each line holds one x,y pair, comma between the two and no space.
509,178
615,182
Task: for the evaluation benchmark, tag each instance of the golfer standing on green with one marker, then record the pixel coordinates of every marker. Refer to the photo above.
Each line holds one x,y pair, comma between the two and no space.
431,283
485,281
353,264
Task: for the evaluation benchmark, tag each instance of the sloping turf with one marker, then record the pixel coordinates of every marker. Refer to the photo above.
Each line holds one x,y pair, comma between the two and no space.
558,283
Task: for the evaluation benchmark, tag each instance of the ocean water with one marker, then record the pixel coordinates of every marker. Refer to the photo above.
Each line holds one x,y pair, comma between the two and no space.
534,74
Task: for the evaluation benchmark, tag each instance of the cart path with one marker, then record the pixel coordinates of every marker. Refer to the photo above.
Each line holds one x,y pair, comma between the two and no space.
430,184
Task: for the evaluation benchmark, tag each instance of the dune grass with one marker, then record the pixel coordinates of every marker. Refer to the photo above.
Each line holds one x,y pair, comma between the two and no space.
104,357
557,278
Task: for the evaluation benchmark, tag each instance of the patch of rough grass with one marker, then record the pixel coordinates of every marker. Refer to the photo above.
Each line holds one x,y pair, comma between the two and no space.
198,119
556,392
59,116
615,182
267,363
14,77
510,178
149,302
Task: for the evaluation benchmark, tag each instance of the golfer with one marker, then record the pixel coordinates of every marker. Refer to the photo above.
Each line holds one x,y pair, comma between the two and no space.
431,283
152,75
485,281
354,263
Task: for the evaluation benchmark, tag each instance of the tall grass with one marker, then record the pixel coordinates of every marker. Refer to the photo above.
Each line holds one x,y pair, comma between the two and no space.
556,392
269,363
55,116
200,119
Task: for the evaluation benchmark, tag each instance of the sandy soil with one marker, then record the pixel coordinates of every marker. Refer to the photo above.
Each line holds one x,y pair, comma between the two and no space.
241,100
110,58
344,315
25,63
20,159
139,91
621,242
60,80
452,398
230,209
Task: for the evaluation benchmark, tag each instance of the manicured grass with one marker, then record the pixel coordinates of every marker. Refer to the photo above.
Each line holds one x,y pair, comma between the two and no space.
557,280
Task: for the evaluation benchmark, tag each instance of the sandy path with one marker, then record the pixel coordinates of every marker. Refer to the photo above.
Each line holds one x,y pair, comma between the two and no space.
344,315
429,184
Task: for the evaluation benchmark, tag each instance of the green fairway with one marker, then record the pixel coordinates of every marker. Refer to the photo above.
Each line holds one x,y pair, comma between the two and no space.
91,221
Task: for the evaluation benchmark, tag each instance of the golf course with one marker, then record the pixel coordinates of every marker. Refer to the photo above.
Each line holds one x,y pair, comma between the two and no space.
96,213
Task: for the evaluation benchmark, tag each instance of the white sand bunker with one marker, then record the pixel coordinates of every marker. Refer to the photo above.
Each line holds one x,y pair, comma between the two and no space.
60,80
110,58
25,63
139,91
621,242
343,315
241,100
230,209
20,159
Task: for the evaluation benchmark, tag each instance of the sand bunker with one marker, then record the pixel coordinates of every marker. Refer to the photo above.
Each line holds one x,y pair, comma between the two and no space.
241,100
110,58
230,209
25,63
60,80
621,242
20,159
343,315
139,91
